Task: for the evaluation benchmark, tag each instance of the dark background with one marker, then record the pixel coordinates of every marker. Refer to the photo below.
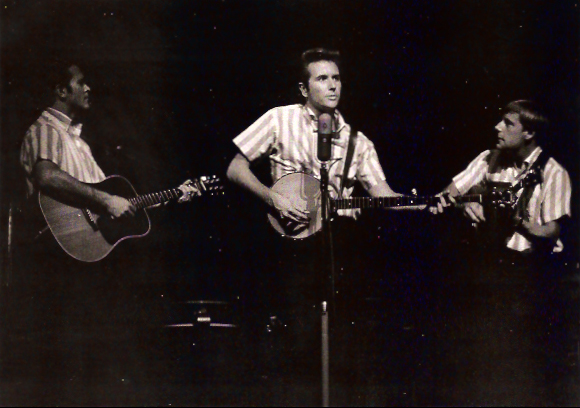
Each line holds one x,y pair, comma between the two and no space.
174,82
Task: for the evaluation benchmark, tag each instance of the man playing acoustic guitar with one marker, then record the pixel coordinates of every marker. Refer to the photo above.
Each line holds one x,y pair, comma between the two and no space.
55,157
55,296
512,311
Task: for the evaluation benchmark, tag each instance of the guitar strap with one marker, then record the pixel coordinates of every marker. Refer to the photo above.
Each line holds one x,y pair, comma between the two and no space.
348,159
536,168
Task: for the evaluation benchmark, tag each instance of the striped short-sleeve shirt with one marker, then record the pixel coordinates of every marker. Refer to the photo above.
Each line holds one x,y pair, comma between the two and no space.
52,137
550,199
288,136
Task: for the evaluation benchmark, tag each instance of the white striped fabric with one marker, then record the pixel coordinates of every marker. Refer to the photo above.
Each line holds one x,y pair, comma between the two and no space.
53,138
550,199
288,136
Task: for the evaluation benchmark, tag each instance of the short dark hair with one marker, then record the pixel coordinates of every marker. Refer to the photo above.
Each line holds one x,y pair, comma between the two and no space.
58,74
532,117
315,55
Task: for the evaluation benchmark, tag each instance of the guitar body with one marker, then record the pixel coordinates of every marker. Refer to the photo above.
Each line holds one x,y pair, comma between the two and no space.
304,189
86,235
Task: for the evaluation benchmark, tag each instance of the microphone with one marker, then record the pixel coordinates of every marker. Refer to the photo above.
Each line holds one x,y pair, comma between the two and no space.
324,137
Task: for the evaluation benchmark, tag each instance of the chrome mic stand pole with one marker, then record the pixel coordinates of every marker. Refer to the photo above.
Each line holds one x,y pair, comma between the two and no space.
325,358
327,283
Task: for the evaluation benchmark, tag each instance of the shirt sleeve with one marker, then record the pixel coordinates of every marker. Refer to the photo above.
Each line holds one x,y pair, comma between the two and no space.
556,195
369,169
41,142
258,139
473,174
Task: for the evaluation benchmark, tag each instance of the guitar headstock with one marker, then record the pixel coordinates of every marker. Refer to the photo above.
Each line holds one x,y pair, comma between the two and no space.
502,196
210,185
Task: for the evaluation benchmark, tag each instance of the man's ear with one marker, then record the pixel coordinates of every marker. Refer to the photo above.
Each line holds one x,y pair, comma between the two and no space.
60,91
528,135
303,89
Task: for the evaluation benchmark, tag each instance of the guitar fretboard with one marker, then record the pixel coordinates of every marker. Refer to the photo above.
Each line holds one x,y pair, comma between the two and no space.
148,200
400,201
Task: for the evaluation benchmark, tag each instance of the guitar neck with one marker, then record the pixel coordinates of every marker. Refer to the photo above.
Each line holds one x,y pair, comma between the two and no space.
399,201
149,200
469,198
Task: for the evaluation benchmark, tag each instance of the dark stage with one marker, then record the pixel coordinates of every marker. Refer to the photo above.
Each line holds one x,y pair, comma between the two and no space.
182,317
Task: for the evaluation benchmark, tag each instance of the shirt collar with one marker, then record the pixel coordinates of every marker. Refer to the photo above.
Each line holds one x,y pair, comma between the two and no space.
65,121
532,157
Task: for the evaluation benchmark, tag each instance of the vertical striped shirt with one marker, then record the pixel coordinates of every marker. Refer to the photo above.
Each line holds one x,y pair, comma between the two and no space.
52,137
550,199
288,135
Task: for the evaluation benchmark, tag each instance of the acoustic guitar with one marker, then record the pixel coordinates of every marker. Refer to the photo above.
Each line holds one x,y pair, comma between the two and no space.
88,236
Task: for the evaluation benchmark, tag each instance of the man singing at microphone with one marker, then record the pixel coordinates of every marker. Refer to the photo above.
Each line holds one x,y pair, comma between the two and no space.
289,137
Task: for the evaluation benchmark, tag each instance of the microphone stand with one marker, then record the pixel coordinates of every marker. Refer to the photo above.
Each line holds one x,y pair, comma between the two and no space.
327,281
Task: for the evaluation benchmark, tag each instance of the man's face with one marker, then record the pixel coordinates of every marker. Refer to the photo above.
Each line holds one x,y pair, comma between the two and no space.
77,95
324,86
511,133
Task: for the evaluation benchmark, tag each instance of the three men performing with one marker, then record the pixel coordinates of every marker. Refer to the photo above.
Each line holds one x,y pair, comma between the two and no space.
57,161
